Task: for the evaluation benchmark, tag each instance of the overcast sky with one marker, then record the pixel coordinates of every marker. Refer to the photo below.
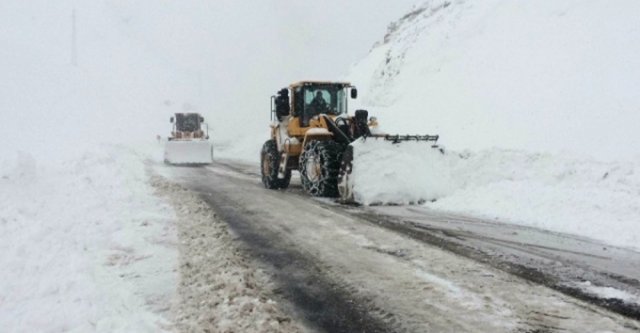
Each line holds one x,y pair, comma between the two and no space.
223,57
242,52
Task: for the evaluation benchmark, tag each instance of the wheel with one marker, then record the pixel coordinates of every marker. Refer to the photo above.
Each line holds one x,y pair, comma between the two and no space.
345,186
319,166
269,162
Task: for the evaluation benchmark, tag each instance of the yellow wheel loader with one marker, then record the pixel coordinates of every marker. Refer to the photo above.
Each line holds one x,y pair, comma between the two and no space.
189,142
313,133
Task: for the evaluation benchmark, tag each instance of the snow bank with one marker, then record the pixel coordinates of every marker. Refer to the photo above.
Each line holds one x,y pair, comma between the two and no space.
554,192
84,245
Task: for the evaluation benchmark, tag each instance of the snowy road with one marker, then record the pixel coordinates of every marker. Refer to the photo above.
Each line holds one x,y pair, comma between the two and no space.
385,269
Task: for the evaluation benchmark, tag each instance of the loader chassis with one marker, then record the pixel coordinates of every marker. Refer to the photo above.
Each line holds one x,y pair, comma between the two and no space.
187,125
311,131
300,138
188,143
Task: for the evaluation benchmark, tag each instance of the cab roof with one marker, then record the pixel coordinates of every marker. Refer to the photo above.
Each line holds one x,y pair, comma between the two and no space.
187,113
314,82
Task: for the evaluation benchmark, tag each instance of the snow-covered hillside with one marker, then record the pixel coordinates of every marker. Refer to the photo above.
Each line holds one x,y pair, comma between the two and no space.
535,101
538,75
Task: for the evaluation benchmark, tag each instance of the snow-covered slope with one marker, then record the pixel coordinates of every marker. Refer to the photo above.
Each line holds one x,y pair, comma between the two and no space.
535,101
542,75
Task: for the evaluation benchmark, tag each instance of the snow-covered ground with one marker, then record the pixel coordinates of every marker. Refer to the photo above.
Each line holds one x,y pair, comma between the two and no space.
220,289
549,76
102,244
609,293
599,200
85,245
567,193
535,102
396,276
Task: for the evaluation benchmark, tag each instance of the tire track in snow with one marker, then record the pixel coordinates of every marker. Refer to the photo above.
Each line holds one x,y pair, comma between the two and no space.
290,221
456,242
321,301
446,239
219,291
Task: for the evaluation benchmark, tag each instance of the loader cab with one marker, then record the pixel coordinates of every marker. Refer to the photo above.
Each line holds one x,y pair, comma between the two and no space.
314,98
188,122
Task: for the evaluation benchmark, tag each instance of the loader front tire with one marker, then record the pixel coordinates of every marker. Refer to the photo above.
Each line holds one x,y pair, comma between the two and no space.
345,184
319,167
269,163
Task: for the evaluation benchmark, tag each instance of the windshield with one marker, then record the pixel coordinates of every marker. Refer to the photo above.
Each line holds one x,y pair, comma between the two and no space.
328,99
187,122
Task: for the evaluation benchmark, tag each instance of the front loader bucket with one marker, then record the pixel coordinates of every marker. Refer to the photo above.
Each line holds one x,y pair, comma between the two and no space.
188,152
393,170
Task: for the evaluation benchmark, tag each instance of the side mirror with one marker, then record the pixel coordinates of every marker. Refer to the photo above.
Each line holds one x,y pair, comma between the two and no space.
354,93
202,119
171,120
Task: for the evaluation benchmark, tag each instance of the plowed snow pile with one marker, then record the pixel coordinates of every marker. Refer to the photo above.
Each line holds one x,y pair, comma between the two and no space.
593,199
577,196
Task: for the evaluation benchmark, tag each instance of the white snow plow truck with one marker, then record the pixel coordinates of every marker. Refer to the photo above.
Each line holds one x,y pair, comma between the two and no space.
189,143
313,133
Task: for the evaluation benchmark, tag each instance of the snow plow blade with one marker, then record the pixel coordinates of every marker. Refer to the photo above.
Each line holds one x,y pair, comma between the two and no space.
393,170
188,152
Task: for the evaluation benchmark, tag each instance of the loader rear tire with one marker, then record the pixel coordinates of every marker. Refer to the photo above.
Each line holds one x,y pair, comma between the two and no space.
269,163
319,167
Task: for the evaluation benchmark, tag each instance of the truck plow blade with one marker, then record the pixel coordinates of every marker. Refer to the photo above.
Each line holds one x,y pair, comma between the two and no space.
188,152
393,170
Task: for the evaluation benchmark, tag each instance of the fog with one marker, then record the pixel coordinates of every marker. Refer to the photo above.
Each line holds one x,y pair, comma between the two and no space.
138,62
